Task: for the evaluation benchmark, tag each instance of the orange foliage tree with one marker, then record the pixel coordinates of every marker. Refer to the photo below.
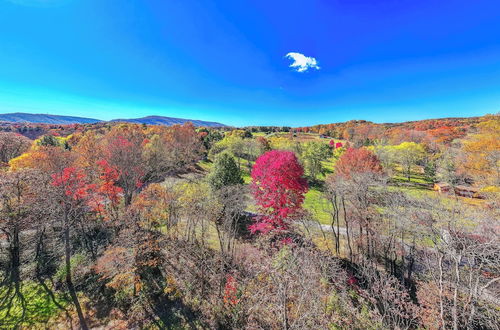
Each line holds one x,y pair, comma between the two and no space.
482,153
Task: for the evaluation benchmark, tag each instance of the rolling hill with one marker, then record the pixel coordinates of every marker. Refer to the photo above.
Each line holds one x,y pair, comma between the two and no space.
25,118
160,120
20,117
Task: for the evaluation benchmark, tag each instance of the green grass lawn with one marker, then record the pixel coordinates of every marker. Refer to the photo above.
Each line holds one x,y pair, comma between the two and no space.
246,177
416,177
259,134
205,165
40,308
317,205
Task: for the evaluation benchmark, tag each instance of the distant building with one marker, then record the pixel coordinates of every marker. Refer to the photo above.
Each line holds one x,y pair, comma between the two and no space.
442,187
467,191
463,191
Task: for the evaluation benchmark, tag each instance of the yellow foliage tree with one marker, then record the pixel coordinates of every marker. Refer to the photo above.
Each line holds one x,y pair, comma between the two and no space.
482,153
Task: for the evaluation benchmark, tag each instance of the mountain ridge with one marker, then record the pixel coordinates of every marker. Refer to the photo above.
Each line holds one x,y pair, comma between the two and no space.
161,120
31,118
41,118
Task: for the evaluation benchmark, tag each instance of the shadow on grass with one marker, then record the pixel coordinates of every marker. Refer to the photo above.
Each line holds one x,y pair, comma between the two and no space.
316,184
410,184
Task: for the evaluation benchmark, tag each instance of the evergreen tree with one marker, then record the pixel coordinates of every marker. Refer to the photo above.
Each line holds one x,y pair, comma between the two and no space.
225,172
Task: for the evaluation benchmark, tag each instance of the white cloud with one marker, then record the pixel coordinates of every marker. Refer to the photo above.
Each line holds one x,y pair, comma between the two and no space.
302,63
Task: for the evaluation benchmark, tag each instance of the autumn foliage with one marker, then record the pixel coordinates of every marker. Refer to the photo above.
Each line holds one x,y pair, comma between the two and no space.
125,226
278,187
335,145
73,181
230,291
357,161
108,178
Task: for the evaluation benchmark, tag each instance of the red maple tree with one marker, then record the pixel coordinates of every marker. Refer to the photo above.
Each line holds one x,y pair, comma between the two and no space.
278,186
74,183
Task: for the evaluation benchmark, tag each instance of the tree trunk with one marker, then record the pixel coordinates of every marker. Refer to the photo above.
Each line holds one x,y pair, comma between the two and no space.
128,198
284,303
347,230
15,274
454,309
441,291
332,225
69,281
15,256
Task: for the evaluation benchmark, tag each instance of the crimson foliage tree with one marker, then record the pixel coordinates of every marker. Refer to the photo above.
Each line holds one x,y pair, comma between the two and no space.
278,186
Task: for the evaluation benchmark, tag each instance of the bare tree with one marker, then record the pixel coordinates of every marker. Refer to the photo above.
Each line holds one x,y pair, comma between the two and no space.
12,145
464,262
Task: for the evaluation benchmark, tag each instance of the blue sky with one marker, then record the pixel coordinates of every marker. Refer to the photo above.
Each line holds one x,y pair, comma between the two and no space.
225,60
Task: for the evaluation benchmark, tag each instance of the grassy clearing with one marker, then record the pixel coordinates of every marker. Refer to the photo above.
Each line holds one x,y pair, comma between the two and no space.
40,308
314,201
417,177
205,165
246,177
317,205
245,170
414,191
414,178
259,134
208,231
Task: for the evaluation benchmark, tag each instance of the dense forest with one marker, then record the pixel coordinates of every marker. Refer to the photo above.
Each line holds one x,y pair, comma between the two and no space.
352,225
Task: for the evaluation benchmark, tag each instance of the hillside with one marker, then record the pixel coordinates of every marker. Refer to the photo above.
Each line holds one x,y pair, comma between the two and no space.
20,117
29,118
168,121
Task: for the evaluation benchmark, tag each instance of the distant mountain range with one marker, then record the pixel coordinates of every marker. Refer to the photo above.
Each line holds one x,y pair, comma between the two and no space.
20,117
30,118
160,120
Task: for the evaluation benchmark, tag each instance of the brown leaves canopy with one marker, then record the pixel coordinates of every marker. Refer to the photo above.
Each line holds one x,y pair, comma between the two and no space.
12,145
357,161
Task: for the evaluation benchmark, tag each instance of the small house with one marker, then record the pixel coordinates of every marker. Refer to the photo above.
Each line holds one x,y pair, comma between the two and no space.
462,191
442,187
467,191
